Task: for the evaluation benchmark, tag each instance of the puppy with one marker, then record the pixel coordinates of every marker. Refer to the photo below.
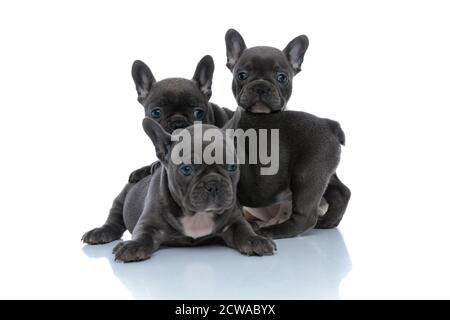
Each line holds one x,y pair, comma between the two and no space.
176,102
182,204
309,146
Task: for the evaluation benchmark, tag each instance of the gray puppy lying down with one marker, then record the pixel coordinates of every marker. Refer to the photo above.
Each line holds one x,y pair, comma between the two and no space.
184,205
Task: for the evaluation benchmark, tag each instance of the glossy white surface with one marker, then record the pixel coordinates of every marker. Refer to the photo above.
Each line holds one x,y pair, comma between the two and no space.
312,266
70,129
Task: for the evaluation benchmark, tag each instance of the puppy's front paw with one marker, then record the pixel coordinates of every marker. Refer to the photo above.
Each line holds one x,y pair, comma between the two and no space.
258,246
101,235
129,251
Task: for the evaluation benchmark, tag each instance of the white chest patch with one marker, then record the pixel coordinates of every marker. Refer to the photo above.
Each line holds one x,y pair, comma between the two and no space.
198,225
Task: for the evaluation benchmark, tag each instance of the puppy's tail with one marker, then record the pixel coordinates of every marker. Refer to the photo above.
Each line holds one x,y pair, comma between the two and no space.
335,127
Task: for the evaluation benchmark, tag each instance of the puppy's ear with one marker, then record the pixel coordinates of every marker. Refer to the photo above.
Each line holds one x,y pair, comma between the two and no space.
233,123
143,79
203,75
235,45
295,51
160,138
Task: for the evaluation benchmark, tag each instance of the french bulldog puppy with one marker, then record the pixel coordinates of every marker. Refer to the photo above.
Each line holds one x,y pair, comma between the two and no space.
176,102
290,202
184,204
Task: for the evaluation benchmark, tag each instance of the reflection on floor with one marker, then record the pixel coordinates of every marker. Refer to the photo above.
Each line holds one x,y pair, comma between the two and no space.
311,266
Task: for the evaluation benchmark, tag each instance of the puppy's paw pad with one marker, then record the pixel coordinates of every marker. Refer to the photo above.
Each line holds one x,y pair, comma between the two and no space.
130,251
259,246
100,235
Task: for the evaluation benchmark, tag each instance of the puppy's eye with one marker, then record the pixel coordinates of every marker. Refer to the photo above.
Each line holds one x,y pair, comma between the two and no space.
242,75
231,167
281,77
156,113
186,170
198,114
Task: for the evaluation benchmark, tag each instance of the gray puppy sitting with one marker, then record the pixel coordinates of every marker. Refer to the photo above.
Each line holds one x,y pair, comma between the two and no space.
306,191
184,204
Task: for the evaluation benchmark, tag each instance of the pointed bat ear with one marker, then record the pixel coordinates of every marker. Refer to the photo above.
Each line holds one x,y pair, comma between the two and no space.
204,74
235,46
143,79
295,51
160,138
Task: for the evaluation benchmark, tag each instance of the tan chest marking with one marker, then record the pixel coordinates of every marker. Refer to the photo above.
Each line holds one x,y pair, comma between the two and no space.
277,213
198,225
267,216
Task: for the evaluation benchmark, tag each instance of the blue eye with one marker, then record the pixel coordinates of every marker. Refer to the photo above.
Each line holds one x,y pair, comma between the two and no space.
231,167
186,170
242,75
198,114
281,77
156,113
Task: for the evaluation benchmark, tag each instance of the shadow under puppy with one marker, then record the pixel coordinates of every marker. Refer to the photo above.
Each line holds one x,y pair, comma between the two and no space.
185,204
306,191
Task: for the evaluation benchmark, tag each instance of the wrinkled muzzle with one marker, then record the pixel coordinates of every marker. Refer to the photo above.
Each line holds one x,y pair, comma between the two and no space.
213,192
260,96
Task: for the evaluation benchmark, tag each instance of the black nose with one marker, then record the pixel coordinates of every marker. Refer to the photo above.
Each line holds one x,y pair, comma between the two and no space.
212,187
261,90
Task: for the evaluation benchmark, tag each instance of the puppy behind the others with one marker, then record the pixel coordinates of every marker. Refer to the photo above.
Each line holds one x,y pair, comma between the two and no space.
177,102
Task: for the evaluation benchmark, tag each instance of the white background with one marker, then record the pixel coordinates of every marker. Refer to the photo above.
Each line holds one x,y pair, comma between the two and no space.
70,130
